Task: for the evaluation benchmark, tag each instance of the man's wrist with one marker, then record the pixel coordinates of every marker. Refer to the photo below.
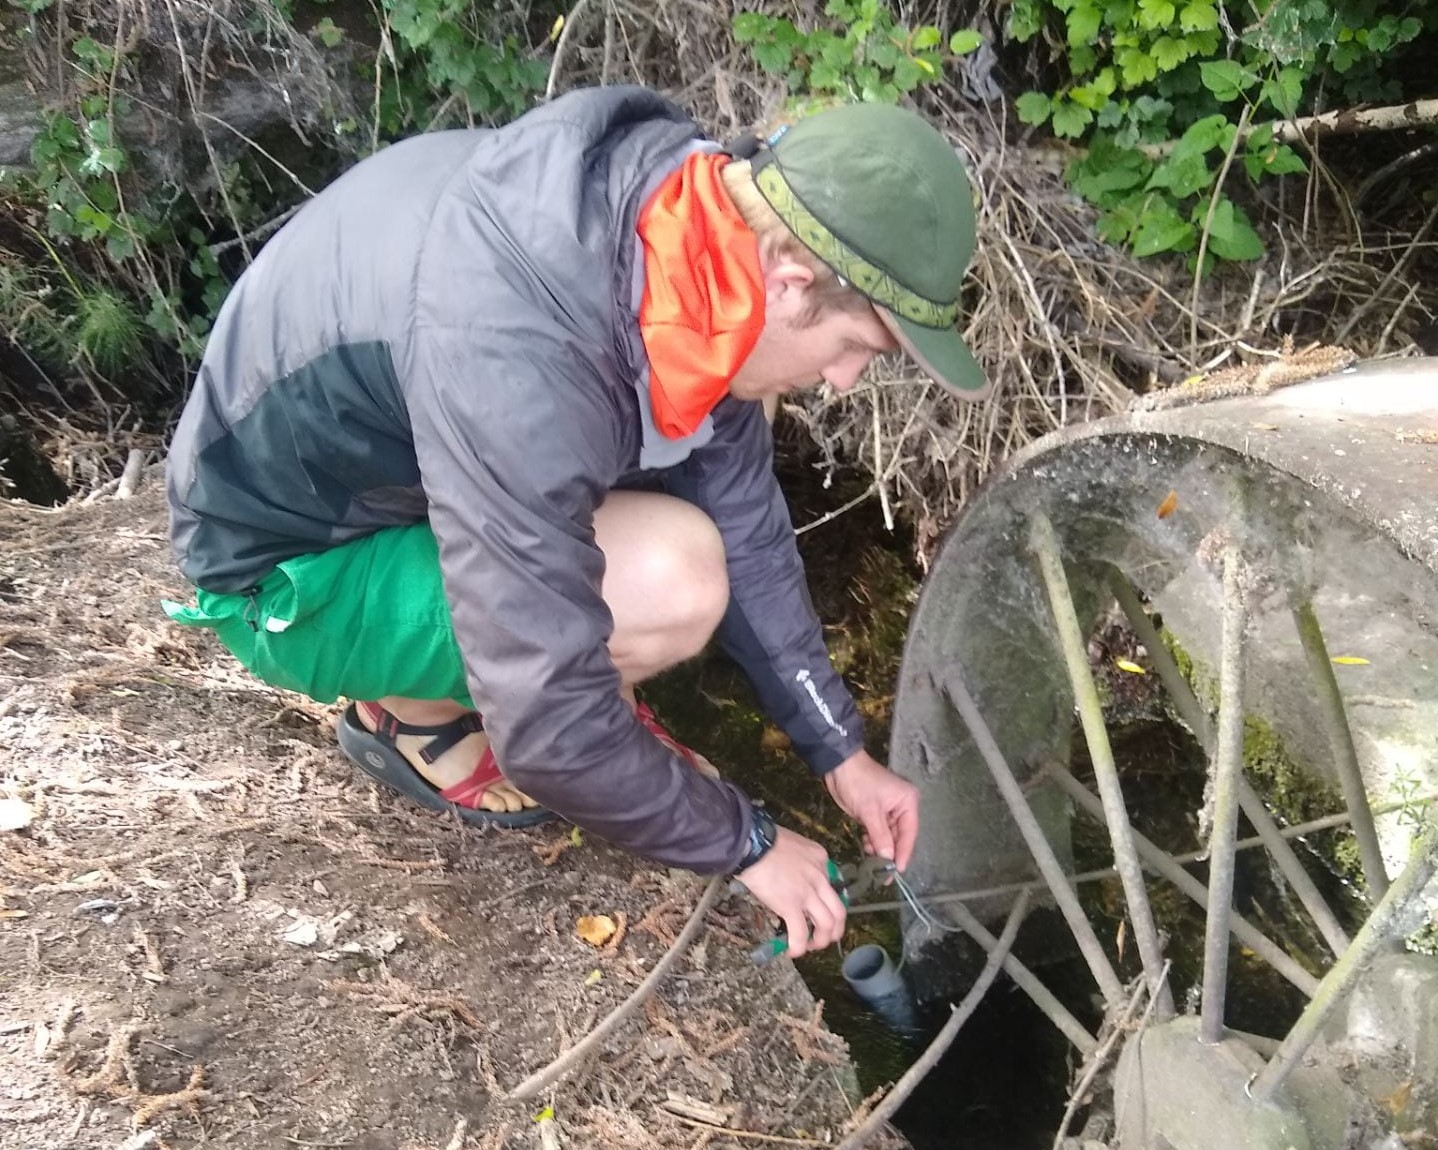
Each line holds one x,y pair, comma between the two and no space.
762,834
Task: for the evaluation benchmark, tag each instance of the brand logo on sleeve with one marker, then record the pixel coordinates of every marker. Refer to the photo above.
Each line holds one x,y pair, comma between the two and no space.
823,708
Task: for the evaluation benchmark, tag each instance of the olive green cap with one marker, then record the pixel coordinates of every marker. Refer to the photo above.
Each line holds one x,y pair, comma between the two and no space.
883,199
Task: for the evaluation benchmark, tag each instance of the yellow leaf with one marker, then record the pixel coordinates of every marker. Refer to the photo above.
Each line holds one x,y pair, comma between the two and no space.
1131,668
1398,1100
595,929
557,28
1350,660
545,1115
593,977
576,836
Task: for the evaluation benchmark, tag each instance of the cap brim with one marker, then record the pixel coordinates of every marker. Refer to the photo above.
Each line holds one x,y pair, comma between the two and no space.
941,353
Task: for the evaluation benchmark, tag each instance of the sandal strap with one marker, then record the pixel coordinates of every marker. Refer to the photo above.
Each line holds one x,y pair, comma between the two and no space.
651,723
444,736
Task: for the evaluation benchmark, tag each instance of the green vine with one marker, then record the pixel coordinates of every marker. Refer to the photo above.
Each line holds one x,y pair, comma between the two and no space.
1158,90
866,55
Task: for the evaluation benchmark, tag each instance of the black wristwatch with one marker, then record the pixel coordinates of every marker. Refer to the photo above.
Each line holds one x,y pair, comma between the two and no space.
762,833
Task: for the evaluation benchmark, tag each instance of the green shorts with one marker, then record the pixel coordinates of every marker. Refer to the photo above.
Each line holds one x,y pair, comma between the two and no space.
362,620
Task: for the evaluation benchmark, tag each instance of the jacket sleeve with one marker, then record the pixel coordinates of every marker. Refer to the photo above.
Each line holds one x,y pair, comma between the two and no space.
770,628
513,475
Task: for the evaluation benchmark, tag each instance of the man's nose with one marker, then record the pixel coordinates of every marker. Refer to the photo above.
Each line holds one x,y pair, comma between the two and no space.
842,376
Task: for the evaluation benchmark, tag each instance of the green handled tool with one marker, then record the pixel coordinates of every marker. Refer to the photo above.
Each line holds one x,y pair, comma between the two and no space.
767,952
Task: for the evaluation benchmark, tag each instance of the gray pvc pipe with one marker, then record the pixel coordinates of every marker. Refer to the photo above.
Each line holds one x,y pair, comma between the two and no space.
872,975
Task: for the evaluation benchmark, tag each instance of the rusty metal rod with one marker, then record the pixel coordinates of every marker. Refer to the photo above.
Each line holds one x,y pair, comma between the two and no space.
1162,863
1339,981
1340,740
1228,769
1297,830
1186,703
1045,544
1024,979
1038,844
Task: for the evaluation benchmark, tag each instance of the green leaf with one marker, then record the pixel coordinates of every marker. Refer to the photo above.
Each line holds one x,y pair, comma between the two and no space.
1183,174
1206,134
1136,66
1070,119
1226,79
772,58
1160,229
1198,16
1275,159
1033,107
1117,225
908,75
824,77
750,26
1169,53
1084,21
885,54
1089,97
927,37
329,32
1155,14
1230,235
1108,170
964,41
1025,20
1284,91
120,245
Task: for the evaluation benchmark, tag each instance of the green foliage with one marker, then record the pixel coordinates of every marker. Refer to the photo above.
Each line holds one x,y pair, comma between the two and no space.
1139,77
117,275
448,57
864,55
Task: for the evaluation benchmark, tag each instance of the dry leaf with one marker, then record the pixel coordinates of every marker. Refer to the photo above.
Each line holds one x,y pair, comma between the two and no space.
1350,660
14,914
1397,1102
1128,665
15,814
595,929
1169,505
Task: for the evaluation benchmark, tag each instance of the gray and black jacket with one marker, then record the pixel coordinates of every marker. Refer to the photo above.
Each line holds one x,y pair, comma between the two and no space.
450,331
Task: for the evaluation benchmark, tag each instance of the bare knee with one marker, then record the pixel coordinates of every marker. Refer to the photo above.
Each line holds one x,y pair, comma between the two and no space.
665,580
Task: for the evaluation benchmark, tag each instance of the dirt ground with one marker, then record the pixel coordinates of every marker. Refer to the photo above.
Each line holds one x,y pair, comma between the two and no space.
213,931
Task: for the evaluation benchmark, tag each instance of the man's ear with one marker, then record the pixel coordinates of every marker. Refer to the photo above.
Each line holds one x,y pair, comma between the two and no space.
785,283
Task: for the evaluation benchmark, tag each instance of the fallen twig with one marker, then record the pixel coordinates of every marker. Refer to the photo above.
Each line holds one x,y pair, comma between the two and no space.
591,1041
944,1039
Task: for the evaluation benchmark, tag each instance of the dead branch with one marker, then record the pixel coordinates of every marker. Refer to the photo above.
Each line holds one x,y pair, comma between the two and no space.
576,1054
944,1039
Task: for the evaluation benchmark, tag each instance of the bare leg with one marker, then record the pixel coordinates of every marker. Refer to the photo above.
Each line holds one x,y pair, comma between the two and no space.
666,586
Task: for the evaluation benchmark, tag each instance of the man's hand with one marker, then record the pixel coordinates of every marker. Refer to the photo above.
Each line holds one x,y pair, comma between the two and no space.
885,805
792,880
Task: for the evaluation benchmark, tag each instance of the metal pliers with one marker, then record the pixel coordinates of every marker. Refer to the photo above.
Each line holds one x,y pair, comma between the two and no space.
767,952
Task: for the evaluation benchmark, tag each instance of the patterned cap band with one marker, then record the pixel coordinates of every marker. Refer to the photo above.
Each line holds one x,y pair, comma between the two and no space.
866,277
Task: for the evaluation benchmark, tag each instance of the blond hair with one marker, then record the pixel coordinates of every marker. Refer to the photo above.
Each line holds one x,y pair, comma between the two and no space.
777,242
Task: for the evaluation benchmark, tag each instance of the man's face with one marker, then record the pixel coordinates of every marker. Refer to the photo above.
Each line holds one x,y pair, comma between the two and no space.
791,356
